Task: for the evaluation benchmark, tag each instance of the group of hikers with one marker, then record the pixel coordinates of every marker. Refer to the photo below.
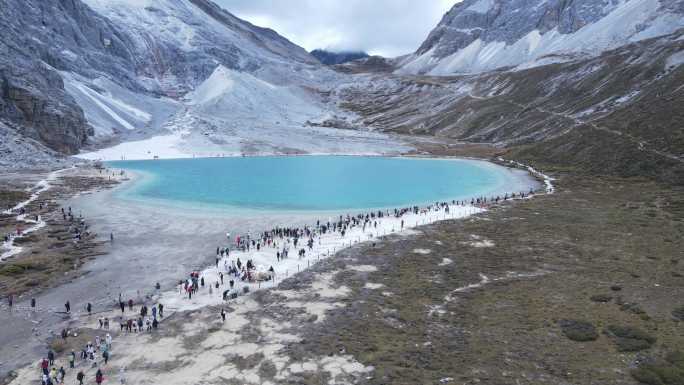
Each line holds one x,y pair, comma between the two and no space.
96,354
92,355
145,320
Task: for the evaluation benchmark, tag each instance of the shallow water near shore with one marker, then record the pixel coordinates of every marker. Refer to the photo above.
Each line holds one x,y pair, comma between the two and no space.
315,183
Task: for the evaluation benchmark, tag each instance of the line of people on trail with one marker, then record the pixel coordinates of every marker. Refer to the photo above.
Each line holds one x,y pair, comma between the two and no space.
282,239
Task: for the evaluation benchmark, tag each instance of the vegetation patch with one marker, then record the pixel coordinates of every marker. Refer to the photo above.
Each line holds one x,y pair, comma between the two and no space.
580,331
630,339
9,198
633,308
678,313
661,371
603,298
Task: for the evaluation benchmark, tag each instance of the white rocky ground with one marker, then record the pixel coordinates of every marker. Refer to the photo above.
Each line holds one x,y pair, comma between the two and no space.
231,113
204,349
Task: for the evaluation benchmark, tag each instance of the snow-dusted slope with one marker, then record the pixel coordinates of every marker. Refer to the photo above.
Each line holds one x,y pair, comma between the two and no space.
112,109
482,35
235,113
242,97
178,43
208,83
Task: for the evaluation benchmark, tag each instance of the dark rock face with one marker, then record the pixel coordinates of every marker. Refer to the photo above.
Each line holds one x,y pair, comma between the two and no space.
332,58
41,41
35,99
35,38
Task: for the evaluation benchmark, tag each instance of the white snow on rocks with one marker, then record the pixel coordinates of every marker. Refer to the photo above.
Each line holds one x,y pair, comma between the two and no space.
446,261
40,187
675,60
481,6
624,24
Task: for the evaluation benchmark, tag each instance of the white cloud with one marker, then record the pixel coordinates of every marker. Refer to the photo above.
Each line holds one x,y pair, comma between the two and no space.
384,27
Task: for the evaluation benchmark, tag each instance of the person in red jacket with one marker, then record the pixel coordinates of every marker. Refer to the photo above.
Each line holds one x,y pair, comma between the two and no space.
99,377
44,364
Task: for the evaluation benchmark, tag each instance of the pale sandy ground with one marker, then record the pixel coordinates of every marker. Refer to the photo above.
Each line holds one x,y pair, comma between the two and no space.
202,350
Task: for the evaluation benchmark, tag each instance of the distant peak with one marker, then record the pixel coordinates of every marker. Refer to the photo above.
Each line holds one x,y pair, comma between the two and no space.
332,58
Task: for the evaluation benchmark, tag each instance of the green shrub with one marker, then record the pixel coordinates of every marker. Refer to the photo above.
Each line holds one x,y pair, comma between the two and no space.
678,313
580,331
668,371
629,339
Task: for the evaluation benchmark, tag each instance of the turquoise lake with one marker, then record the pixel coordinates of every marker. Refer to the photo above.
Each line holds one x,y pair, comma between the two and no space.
316,182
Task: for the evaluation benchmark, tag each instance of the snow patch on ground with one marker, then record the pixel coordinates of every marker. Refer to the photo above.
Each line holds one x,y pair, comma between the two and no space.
363,268
446,261
479,242
163,146
481,6
675,60
34,225
421,251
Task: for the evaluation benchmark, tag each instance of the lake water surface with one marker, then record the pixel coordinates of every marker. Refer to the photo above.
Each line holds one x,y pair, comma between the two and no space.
317,183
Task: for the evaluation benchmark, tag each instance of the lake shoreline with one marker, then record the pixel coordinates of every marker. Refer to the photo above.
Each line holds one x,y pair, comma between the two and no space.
131,181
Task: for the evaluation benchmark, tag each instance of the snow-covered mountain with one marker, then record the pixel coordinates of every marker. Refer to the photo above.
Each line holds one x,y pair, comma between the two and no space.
94,73
142,78
483,35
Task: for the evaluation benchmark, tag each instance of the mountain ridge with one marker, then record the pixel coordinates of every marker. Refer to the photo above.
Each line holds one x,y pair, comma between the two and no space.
482,35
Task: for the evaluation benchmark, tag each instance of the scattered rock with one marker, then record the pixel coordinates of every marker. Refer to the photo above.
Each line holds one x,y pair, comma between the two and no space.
615,288
603,298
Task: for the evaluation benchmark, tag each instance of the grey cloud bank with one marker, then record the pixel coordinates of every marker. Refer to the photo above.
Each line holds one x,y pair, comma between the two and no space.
382,27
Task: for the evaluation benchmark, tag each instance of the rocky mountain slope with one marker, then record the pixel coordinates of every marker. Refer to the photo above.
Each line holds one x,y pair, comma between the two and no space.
576,83
482,35
616,113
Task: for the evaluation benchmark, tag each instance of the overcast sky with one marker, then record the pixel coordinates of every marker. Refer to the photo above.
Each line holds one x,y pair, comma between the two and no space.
380,27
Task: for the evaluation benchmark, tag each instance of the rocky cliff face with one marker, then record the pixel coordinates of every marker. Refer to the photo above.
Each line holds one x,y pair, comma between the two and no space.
482,35
75,73
38,40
